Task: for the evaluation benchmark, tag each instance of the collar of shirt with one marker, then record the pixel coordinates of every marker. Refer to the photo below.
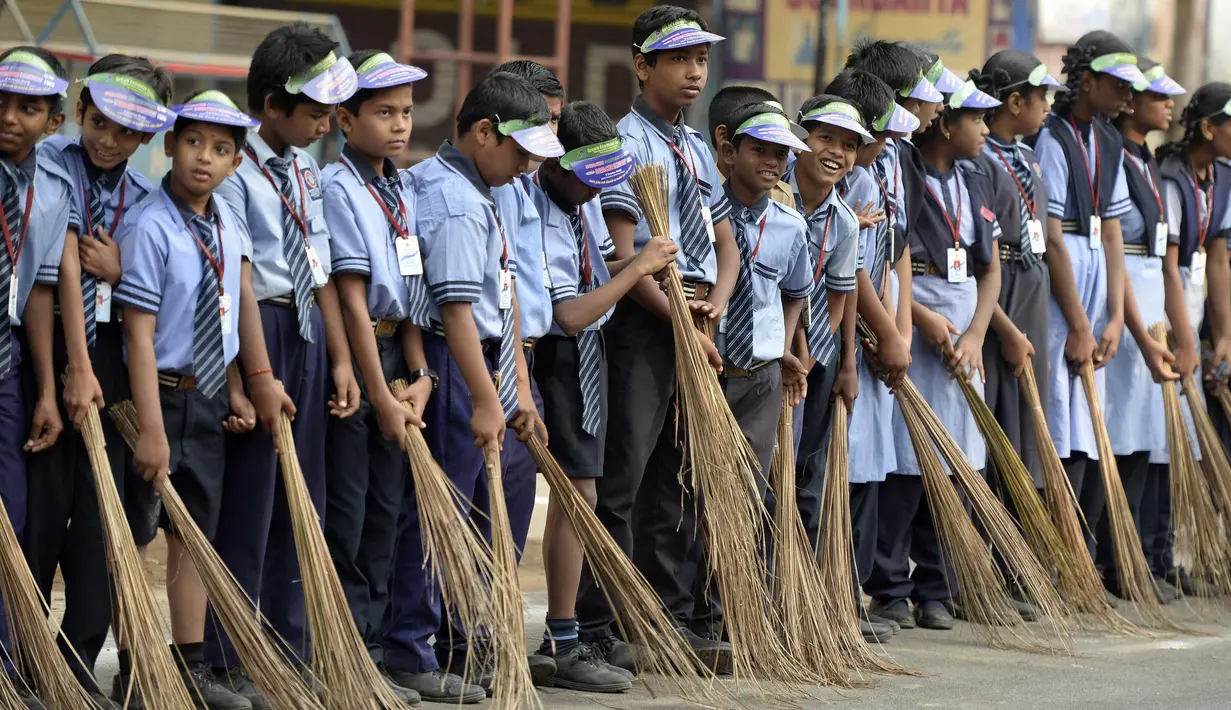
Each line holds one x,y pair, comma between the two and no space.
364,166
1009,147
554,195
757,208
1140,151
186,212
448,154
23,171
264,153
660,124
943,177
111,178
822,208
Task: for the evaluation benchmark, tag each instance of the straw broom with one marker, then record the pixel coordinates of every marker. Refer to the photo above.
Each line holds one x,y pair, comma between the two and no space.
349,678
1132,570
641,616
8,695
154,670
512,687
1195,519
723,475
457,557
1224,398
837,584
243,622
1214,462
1080,586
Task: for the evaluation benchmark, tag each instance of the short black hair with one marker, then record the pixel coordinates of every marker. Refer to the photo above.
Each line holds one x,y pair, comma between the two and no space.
897,66
55,101
356,100
730,98
583,123
926,56
287,51
820,100
501,97
138,68
747,111
239,133
540,77
654,19
871,96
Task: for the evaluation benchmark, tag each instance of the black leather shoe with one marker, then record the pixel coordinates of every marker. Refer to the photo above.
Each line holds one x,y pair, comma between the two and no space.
876,619
119,689
208,693
895,610
439,687
1166,593
239,682
933,615
581,669
875,633
1026,609
1179,578
616,652
542,669
714,654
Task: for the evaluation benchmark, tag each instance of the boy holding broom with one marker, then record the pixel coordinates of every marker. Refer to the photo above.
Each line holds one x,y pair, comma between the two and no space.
35,215
473,344
571,366
294,83
671,50
378,267
185,286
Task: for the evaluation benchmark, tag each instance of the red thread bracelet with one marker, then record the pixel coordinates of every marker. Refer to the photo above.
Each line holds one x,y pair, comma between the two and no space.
258,373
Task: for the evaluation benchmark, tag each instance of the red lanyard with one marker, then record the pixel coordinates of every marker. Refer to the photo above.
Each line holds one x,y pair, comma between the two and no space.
587,270
89,218
954,229
504,242
402,231
692,168
1026,197
1085,159
1203,226
301,217
820,258
218,265
15,254
752,256
1148,175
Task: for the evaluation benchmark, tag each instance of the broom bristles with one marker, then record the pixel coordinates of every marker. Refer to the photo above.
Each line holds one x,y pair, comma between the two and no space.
139,623
1080,586
348,676
9,699
512,687
244,624
1214,462
723,469
641,614
1132,571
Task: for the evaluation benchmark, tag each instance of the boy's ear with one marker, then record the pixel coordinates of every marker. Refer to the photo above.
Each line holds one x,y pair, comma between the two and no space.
346,119
168,144
239,158
484,130
269,110
54,121
641,67
80,112
726,152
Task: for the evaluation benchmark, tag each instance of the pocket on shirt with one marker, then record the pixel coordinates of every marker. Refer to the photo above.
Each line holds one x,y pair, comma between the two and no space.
764,271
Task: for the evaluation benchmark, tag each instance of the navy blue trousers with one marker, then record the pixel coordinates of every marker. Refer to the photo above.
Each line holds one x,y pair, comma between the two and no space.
254,537
905,532
14,430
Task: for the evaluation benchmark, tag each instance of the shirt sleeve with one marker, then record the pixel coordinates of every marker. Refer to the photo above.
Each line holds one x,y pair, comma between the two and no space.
233,191
1175,212
48,273
563,263
1224,229
143,271
707,169
349,250
455,237
1121,202
1055,174
798,281
841,260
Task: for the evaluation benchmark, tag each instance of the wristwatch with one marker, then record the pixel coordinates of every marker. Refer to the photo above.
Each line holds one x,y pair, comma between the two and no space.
425,372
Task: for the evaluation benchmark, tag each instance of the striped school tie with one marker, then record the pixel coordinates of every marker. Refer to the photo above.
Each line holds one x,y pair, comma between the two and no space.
89,285
417,311
694,240
208,357
1026,178
293,241
822,345
880,251
12,217
589,363
739,313
506,365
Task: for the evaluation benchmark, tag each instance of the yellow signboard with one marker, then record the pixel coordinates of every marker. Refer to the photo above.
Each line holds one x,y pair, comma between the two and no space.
955,29
591,12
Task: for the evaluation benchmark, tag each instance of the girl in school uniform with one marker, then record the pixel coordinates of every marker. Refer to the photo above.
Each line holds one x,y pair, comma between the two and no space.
1136,421
1196,184
1081,162
956,285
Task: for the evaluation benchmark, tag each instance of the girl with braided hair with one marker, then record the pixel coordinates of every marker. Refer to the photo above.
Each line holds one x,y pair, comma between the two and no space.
1196,185
1137,425
1081,163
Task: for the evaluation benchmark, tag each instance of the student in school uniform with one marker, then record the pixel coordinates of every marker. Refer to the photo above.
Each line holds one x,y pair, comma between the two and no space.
722,106
956,284
1137,424
570,362
35,214
873,181
1196,182
378,267
187,295
671,51
123,105
473,344
1081,162
294,83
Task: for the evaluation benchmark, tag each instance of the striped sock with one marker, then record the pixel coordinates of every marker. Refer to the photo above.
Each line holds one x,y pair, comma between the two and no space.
559,637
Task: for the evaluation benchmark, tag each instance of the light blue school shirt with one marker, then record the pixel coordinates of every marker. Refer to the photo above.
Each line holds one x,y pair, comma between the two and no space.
521,218
362,239
649,138
564,257
841,244
50,217
162,267
258,201
119,182
862,190
775,236
463,239
966,221
890,158
1055,167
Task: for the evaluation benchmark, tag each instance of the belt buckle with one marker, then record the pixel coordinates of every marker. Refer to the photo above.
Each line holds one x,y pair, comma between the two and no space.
384,327
496,380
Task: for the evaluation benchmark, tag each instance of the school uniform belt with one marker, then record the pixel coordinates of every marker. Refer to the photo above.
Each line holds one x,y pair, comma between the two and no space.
1141,249
1069,227
529,343
1012,252
924,268
729,370
385,327
172,381
288,300
694,291
116,312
